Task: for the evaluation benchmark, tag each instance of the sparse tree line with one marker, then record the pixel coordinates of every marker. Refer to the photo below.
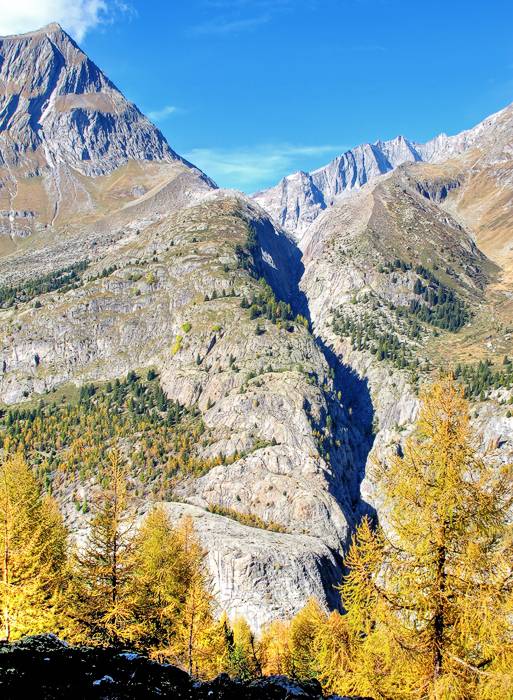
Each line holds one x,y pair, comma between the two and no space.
68,439
437,304
367,334
64,279
265,305
481,378
428,594
478,379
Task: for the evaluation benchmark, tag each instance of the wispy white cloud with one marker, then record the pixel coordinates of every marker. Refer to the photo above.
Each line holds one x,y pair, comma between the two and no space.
76,16
270,5
159,115
222,25
251,168
236,16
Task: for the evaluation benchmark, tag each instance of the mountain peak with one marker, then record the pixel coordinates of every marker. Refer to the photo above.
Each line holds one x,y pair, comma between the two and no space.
57,107
51,28
296,207
297,200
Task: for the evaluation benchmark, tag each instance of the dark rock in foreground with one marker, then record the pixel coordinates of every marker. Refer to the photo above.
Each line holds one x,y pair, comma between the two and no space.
43,668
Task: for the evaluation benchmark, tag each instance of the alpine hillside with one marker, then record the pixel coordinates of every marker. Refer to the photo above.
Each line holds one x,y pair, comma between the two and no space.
408,271
144,309
248,356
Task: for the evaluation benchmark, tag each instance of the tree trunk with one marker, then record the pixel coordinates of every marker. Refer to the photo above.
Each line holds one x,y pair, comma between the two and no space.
439,619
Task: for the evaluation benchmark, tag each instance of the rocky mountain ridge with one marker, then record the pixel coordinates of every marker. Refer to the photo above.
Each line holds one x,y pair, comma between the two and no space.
64,130
299,364
57,107
298,199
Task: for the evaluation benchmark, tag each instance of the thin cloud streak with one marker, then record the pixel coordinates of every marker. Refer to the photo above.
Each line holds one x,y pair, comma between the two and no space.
252,168
159,115
225,26
236,16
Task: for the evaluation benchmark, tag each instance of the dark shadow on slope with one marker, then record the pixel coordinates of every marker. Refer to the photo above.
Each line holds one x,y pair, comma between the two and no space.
280,262
358,411
349,419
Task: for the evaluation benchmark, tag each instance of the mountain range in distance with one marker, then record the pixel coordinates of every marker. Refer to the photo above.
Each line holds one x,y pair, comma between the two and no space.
293,328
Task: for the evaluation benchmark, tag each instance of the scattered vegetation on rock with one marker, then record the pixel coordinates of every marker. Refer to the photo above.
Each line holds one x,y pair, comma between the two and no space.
64,279
70,440
482,377
250,519
427,597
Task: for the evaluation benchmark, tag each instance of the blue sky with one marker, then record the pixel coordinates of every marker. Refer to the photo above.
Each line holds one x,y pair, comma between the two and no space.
251,90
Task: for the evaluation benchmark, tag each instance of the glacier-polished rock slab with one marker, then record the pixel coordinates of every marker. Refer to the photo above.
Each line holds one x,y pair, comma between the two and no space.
259,574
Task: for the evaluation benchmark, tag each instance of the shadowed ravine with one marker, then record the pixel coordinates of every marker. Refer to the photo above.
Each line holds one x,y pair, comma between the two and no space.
356,411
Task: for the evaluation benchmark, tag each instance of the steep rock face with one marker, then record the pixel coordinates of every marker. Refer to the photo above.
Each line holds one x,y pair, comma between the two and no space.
297,200
64,130
363,259
262,575
167,293
56,106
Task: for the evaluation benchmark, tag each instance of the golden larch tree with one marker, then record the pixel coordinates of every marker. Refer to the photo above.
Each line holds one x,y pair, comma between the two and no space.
196,615
243,656
100,607
429,593
33,550
167,561
274,648
304,628
334,651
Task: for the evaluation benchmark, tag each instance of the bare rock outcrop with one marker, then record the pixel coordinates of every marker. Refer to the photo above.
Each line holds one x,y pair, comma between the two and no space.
259,574
298,199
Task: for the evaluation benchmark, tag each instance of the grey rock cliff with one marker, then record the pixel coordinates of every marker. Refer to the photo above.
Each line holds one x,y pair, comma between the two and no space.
56,106
298,199
290,415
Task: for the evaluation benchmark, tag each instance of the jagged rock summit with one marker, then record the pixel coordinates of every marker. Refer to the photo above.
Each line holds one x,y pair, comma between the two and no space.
64,128
57,106
298,199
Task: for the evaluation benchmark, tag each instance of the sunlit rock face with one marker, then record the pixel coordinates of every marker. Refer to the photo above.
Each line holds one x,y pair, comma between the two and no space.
298,199
57,107
293,411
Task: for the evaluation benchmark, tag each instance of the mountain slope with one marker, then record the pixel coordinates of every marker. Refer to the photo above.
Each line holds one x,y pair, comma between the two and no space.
297,200
71,145
142,308
170,298
412,274
57,107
